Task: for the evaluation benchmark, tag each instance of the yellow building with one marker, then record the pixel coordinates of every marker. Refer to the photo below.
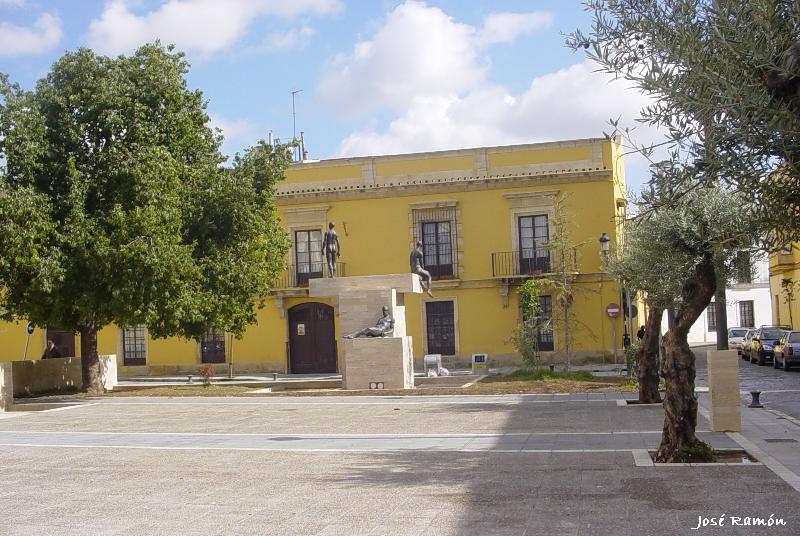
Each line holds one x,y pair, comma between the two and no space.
483,216
784,286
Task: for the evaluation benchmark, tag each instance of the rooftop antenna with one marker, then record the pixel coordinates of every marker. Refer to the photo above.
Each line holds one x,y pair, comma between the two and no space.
294,115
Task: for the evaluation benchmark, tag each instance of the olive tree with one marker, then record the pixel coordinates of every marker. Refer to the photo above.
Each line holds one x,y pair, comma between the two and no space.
677,256
724,77
115,206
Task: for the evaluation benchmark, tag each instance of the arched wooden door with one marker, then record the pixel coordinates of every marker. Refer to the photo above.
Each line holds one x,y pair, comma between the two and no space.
312,340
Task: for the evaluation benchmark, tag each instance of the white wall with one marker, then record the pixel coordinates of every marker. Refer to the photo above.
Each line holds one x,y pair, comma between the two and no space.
757,291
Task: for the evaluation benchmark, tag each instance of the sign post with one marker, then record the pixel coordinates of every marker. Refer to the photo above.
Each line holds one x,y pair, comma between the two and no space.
612,310
29,329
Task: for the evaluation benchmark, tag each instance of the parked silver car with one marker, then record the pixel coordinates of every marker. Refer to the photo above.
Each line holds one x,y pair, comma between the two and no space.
787,351
736,336
744,346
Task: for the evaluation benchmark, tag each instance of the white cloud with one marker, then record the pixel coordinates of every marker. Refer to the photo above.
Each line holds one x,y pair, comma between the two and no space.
238,133
441,97
199,26
506,27
292,38
575,102
14,3
419,51
20,40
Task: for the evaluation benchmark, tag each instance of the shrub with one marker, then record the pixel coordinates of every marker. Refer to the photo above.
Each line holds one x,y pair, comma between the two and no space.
206,372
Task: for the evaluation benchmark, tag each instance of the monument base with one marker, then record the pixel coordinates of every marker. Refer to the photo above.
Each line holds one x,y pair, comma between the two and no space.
723,385
375,362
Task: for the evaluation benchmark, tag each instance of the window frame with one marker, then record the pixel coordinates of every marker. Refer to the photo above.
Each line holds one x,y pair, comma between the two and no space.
752,313
437,213
539,260
438,269
138,342
711,317
302,277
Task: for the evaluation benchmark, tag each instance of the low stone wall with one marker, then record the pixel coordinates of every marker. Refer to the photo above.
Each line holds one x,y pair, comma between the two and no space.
54,375
185,370
515,360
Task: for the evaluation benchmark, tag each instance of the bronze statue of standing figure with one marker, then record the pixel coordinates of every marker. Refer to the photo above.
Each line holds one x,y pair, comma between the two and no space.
330,246
418,267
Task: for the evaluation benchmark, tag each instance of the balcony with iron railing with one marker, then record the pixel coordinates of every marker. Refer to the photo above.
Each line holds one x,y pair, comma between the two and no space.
298,276
525,263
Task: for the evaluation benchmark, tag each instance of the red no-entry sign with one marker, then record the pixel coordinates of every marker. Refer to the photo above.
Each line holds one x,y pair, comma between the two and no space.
612,310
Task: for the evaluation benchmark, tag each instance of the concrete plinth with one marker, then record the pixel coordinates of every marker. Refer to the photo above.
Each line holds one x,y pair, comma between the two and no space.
378,362
359,302
723,386
6,386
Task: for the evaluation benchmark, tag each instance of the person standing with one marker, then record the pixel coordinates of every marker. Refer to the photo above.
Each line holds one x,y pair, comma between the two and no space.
51,351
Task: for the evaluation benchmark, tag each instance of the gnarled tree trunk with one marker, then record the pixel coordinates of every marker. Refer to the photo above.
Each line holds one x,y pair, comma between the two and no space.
647,359
90,361
678,440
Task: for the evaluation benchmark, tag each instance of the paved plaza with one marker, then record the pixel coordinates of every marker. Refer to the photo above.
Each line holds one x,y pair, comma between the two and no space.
516,465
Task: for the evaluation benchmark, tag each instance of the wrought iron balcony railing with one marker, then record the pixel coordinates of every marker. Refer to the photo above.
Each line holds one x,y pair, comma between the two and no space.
297,276
520,263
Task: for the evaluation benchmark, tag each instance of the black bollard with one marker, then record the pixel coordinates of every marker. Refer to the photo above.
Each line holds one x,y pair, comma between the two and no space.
756,403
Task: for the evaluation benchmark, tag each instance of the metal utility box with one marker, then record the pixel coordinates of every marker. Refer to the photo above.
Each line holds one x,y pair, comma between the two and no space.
432,362
480,363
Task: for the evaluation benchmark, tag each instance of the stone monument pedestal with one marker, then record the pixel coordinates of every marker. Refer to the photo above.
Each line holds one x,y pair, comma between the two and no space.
372,362
724,407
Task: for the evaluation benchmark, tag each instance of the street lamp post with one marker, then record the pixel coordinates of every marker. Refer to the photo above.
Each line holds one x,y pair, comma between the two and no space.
605,245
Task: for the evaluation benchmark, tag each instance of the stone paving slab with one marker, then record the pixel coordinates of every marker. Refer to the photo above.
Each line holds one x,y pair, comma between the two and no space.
490,415
456,442
142,492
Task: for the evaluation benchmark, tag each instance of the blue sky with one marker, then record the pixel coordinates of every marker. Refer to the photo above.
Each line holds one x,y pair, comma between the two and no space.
377,76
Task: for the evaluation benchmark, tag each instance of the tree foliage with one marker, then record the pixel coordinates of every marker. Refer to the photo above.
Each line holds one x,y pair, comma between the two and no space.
525,337
725,79
115,207
663,248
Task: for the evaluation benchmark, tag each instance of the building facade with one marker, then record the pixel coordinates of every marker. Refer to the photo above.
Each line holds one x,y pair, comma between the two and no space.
784,286
483,216
747,303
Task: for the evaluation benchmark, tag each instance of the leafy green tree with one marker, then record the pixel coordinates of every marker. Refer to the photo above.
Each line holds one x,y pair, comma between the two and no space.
525,336
562,250
115,207
724,76
677,256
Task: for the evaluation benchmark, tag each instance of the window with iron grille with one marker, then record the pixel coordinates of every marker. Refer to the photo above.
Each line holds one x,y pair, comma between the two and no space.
134,345
212,346
440,323
746,315
436,229
711,316
545,334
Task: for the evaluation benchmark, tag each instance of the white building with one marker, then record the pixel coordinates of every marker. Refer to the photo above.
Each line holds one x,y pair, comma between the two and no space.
748,305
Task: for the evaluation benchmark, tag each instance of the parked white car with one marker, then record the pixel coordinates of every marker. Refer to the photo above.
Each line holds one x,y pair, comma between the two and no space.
736,337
